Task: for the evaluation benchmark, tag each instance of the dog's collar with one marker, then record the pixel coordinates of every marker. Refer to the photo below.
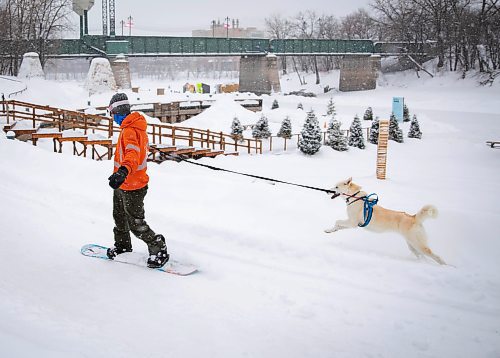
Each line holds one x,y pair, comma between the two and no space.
353,196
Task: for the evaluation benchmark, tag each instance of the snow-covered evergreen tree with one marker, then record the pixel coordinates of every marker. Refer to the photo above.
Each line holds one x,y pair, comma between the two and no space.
373,138
415,129
331,110
368,116
275,104
286,128
406,113
395,133
334,136
261,129
236,129
300,106
356,138
310,141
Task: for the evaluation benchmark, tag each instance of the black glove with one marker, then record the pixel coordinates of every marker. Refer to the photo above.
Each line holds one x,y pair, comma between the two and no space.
118,178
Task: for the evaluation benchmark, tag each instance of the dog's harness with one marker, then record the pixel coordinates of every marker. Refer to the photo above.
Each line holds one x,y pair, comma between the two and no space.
367,206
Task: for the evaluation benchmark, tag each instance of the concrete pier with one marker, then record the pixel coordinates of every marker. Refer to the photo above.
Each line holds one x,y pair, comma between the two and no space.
259,74
359,73
121,71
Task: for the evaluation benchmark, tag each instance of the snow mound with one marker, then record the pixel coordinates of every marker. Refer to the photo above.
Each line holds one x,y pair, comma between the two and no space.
31,66
100,77
220,115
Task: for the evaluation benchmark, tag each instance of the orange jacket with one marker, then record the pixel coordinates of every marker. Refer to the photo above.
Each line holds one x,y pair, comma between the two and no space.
132,151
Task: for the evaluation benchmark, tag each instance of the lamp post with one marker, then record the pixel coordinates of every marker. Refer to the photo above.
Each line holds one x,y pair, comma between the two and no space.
227,27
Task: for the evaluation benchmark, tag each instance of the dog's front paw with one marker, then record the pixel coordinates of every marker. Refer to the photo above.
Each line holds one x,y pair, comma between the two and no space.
330,230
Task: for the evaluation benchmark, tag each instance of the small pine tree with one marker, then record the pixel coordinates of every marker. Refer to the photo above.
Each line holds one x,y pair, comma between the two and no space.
330,110
415,129
261,129
236,129
300,106
373,138
356,138
275,104
286,128
368,116
335,138
395,133
406,113
310,135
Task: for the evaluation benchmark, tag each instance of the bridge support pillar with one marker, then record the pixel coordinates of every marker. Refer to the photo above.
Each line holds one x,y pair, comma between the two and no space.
259,74
359,73
30,66
121,71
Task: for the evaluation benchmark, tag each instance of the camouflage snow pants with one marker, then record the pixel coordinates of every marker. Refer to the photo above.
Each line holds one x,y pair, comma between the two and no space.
128,213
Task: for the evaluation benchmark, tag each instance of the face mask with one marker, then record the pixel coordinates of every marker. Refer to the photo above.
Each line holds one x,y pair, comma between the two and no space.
118,118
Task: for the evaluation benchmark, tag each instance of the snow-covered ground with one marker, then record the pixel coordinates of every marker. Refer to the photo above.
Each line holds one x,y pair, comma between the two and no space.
271,282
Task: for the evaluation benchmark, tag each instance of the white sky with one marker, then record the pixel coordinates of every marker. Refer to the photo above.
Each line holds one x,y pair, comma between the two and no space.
180,17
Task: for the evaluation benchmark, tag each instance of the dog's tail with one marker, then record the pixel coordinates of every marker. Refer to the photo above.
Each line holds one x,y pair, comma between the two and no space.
428,211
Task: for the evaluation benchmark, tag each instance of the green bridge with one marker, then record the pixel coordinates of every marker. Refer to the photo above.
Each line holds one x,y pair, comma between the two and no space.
144,46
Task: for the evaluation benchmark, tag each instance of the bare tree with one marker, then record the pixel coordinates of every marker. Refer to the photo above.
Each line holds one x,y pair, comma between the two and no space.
279,28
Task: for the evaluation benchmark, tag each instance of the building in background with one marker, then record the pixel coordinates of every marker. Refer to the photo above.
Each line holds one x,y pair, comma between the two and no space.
229,28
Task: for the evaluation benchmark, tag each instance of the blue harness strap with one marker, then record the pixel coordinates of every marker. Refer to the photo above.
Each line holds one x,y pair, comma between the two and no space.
368,208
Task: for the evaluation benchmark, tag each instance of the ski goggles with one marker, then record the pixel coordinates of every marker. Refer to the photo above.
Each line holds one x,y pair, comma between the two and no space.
113,105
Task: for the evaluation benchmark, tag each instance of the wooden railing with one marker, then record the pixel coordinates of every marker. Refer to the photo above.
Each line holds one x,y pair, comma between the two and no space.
63,119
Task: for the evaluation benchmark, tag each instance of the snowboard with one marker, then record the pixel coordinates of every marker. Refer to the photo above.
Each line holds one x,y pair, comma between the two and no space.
138,259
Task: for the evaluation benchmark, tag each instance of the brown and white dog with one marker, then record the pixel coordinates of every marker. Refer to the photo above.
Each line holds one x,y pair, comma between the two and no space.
410,226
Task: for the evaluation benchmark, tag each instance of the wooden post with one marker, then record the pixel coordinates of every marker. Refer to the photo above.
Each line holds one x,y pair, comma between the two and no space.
285,144
383,137
159,134
271,143
222,144
208,138
110,127
14,111
248,145
8,113
173,135
191,137
34,122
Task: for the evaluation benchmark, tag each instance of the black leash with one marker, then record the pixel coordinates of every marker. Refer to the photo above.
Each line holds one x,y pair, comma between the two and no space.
178,158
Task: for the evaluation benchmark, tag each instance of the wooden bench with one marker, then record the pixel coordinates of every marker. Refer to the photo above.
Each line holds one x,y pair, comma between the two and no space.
492,144
107,143
231,153
75,140
36,136
200,152
161,150
185,150
213,153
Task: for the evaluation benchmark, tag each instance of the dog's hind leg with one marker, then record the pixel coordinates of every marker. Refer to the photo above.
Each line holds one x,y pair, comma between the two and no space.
418,240
415,251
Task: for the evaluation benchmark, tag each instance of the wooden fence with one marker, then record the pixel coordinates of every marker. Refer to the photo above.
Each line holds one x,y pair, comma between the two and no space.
62,119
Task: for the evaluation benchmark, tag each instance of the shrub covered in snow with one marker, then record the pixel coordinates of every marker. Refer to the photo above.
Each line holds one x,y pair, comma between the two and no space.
275,104
285,129
330,109
236,129
356,138
395,133
310,141
368,116
261,129
373,137
335,138
300,106
406,113
415,129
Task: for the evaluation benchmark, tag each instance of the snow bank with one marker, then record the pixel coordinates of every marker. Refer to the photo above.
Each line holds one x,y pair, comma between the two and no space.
220,115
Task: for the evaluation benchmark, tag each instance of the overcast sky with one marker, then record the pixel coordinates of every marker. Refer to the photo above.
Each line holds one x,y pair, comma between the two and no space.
180,17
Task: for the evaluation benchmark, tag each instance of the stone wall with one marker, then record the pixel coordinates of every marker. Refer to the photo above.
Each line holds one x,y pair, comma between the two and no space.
259,74
359,73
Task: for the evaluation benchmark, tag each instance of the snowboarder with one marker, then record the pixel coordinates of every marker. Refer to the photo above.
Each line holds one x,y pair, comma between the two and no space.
130,183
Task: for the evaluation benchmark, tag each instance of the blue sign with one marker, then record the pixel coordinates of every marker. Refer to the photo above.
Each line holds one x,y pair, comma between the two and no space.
397,107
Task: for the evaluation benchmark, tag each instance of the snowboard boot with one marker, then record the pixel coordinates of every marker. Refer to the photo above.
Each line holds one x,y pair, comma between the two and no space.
114,251
161,257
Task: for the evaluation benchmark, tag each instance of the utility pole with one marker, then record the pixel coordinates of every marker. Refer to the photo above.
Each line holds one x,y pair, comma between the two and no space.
213,28
130,18
122,23
227,27
111,18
